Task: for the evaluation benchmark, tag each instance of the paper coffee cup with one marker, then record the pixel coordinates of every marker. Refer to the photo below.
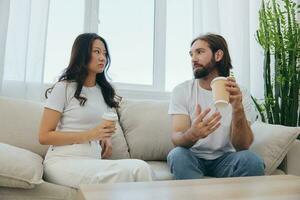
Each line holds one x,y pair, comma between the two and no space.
110,117
220,94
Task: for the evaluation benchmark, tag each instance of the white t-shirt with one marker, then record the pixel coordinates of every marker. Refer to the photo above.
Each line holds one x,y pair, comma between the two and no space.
183,101
76,118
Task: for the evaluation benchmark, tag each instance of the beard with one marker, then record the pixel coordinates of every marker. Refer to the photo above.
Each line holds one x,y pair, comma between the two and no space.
204,71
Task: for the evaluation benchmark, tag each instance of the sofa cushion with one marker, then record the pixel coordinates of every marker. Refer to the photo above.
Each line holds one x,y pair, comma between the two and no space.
119,145
162,172
19,122
147,129
22,131
20,168
292,164
272,142
278,172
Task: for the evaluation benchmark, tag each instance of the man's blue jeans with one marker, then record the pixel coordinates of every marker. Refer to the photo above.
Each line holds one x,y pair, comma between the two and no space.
185,165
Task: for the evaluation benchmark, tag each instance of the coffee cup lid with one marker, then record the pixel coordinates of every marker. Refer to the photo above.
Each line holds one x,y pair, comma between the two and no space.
218,78
110,116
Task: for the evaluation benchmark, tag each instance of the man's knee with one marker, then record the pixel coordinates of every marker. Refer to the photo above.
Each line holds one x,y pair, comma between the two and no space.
183,164
251,162
178,154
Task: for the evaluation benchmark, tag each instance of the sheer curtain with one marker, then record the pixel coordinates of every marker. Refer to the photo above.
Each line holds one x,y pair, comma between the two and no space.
237,21
23,33
4,15
23,38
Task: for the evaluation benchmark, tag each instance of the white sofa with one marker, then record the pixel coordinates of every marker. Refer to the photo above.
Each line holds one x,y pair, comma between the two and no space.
145,134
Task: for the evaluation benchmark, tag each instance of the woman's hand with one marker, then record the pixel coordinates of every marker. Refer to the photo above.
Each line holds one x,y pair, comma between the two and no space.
106,145
102,132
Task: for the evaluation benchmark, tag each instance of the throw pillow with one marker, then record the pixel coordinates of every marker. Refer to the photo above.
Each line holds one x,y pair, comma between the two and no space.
19,167
272,142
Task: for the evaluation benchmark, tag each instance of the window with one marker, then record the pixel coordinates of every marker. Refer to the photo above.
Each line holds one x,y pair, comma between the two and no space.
148,40
128,28
62,30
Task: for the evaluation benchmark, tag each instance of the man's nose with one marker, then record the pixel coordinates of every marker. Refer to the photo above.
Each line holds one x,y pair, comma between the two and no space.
194,58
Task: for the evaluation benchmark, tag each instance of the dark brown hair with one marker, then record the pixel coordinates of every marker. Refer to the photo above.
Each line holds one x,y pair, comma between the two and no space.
215,43
77,70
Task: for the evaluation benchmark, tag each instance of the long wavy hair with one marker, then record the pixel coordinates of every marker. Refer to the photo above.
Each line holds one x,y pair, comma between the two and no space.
216,42
77,70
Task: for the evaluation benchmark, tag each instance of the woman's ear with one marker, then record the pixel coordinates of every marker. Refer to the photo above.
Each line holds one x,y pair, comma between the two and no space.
219,55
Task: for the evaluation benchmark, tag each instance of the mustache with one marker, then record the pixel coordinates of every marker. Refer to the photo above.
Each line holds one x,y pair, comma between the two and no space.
196,65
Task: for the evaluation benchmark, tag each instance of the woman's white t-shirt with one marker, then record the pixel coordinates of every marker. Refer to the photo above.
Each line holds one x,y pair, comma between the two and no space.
76,118
183,101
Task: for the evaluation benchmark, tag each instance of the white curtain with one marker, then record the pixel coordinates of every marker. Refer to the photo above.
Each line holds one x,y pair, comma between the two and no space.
237,21
21,69
23,29
4,15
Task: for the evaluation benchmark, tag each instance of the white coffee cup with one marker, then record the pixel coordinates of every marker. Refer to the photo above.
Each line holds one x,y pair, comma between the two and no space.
220,94
110,118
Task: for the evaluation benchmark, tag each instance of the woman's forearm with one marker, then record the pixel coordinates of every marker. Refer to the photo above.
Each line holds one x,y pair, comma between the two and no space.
64,138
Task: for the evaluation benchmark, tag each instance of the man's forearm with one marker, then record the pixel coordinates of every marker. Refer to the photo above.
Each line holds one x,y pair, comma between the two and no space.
241,133
183,139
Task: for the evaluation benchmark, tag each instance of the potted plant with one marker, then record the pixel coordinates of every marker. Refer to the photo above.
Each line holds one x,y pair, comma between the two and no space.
279,36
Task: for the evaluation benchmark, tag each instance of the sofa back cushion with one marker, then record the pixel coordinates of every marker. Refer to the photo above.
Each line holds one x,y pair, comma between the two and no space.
119,145
147,129
19,124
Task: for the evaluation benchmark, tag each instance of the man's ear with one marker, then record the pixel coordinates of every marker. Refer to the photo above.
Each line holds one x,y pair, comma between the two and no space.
219,55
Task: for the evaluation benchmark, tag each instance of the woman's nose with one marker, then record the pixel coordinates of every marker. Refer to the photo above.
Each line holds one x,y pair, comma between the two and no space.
102,57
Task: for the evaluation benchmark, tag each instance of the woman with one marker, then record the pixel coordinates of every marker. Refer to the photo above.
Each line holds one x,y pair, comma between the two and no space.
72,123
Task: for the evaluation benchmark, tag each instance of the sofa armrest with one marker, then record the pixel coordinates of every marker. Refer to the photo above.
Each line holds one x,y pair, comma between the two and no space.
292,159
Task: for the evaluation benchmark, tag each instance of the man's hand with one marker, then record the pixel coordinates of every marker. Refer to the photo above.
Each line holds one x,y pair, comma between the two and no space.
201,127
241,133
106,145
235,94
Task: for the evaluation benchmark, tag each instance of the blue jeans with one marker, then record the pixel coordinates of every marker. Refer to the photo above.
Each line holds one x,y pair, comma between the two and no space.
185,165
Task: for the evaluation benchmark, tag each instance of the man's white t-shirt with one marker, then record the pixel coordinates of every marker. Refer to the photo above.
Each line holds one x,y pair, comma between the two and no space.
76,118
183,101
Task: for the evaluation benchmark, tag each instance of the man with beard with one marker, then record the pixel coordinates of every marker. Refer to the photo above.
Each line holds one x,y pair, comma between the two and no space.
211,142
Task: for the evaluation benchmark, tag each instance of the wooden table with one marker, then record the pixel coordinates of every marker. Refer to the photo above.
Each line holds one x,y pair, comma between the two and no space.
280,187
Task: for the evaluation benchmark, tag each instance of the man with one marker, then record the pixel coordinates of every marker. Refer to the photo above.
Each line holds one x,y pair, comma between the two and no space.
211,142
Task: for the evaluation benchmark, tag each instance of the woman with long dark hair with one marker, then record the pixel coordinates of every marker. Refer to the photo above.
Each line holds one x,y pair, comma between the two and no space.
73,126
